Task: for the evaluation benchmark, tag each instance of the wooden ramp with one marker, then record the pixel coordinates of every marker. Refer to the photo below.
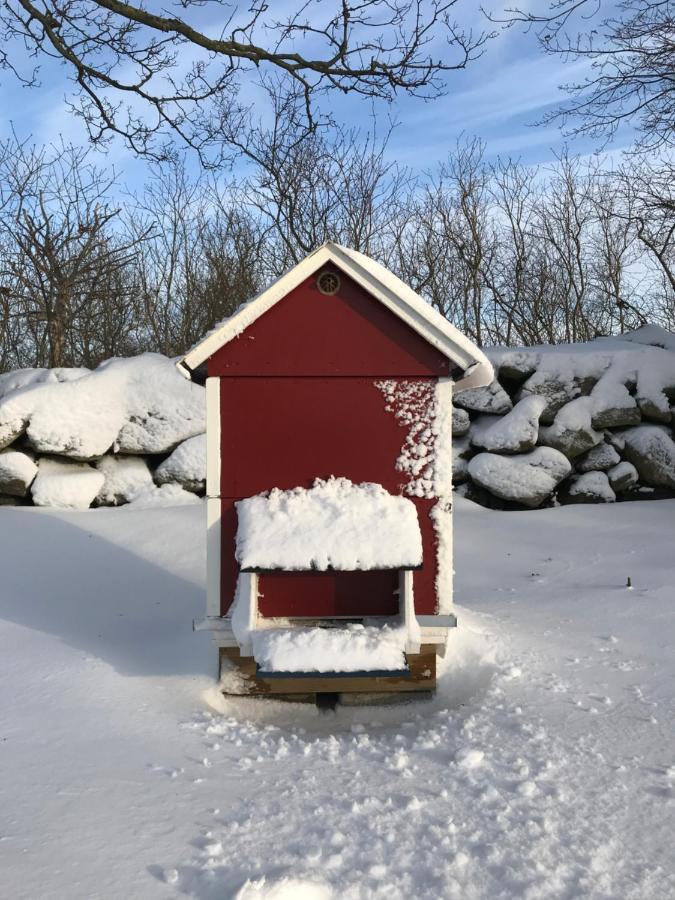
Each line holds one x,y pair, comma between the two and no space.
420,675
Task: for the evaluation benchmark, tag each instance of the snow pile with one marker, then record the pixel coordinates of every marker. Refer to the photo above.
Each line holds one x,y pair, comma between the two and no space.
123,419
20,378
333,525
354,648
137,405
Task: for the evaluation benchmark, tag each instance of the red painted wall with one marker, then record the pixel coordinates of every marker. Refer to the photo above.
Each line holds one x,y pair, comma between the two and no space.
310,333
299,401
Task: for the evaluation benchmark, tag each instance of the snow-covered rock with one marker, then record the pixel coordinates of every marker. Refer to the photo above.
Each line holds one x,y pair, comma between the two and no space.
560,380
125,477
11,428
492,399
601,457
333,525
17,471
514,365
461,453
528,479
137,405
591,487
460,422
613,405
68,485
20,378
622,476
516,432
186,466
657,410
651,449
572,432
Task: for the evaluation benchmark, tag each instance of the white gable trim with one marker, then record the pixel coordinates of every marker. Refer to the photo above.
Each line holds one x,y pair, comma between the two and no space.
379,283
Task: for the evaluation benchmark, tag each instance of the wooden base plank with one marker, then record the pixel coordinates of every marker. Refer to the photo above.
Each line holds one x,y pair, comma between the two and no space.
421,677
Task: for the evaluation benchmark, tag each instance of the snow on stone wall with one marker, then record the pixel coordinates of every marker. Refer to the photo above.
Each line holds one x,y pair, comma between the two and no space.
552,416
603,412
129,431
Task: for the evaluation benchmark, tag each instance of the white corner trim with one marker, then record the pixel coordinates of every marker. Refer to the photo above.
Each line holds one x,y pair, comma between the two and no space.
379,283
248,592
213,550
406,602
213,437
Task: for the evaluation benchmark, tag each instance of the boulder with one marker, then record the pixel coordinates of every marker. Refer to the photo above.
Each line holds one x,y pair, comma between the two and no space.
613,406
572,432
591,487
623,476
124,477
479,425
461,453
558,387
460,422
492,399
17,471
655,410
11,428
516,432
186,466
68,485
8,500
514,365
479,495
651,449
528,479
140,405
599,458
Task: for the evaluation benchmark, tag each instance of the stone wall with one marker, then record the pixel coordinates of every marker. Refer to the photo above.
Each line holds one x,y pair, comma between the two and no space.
584,423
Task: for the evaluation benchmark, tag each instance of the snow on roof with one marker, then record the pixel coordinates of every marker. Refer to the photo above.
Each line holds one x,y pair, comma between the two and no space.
335,524
381,284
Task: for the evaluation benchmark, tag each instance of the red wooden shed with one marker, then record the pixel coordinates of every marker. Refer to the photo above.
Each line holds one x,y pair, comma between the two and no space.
329,411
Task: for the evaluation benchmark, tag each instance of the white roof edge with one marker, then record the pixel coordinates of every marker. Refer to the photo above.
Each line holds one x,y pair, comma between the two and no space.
380,283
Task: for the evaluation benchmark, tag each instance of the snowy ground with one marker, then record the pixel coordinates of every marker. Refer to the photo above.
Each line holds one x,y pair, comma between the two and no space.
544,768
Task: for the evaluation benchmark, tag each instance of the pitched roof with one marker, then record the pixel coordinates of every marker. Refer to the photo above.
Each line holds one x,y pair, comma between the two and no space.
381,284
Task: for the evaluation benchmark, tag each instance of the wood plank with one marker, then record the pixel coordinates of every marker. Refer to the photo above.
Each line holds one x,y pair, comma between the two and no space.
422,677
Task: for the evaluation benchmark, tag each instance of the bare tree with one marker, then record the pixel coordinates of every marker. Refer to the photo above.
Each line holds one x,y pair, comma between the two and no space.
315,187
199,259
61,257
631,55
143,73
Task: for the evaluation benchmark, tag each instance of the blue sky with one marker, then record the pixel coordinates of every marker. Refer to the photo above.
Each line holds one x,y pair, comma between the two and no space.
498,98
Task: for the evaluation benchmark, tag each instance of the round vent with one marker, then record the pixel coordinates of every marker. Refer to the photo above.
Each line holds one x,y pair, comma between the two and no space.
328,283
